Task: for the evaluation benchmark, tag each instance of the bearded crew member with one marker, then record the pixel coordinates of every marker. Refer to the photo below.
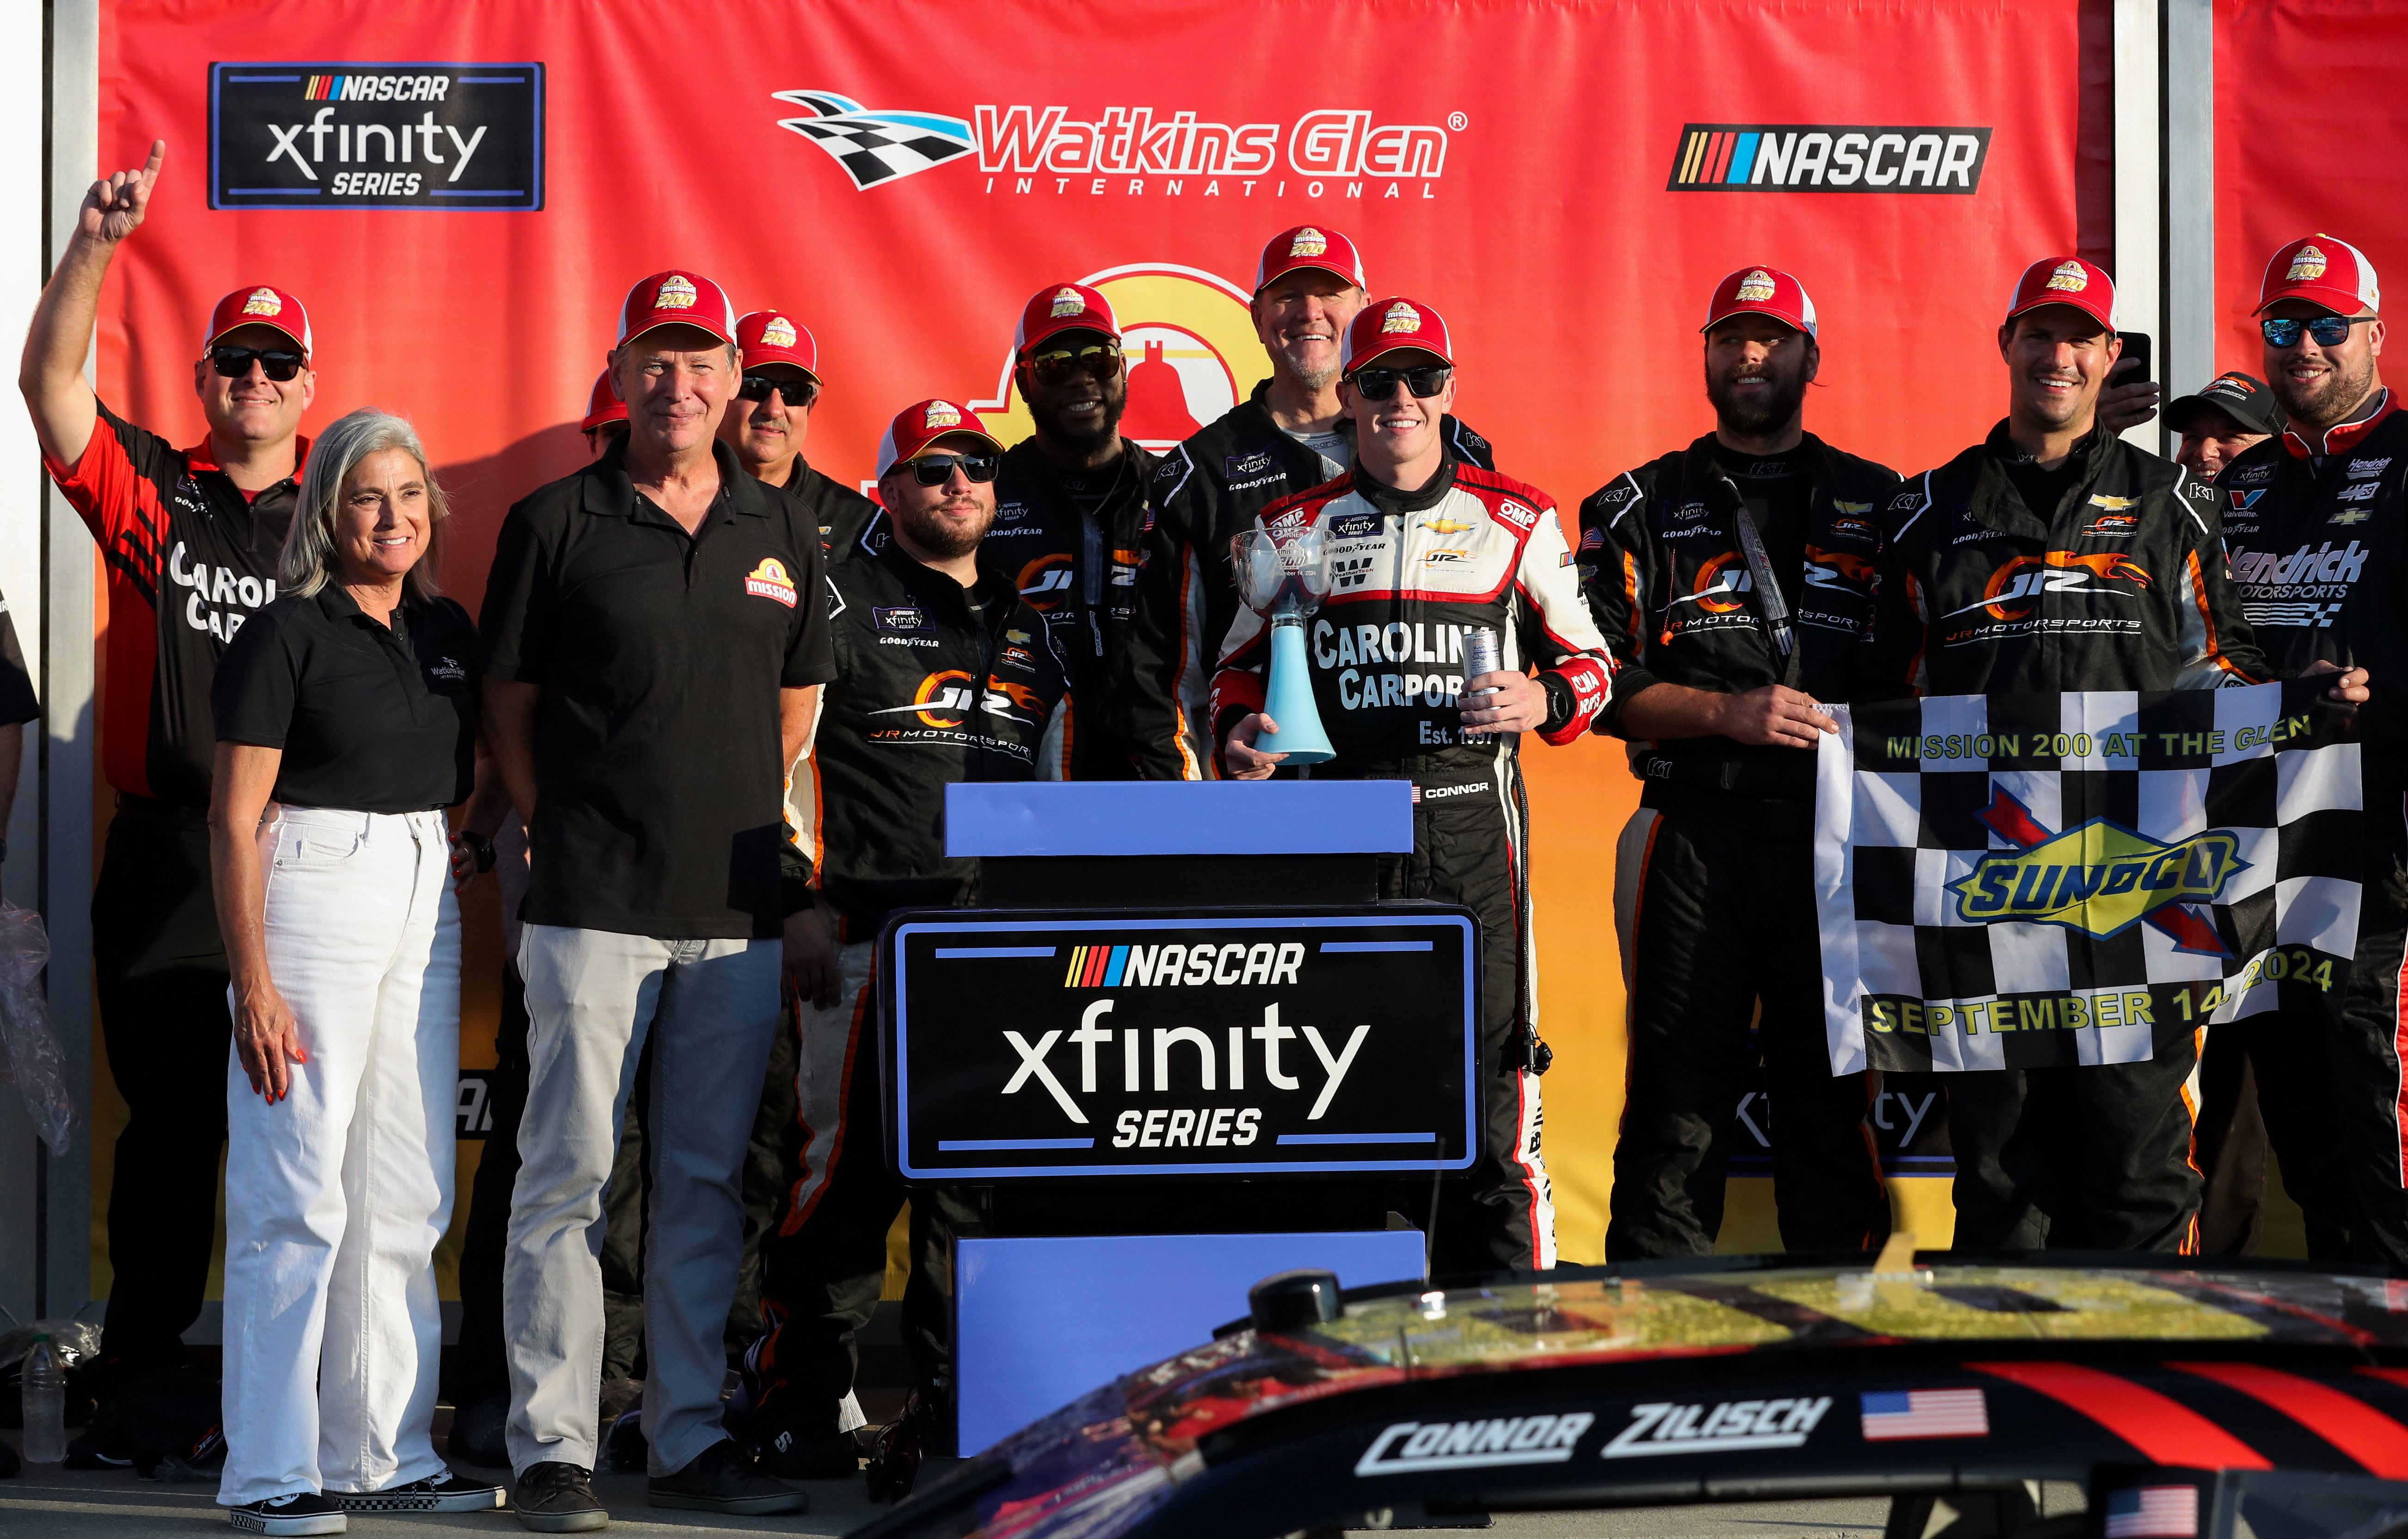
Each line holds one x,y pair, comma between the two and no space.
1072,529
771,415
2056,557
2316,519
1291,434
1430,547
944,673
1719,673
191,539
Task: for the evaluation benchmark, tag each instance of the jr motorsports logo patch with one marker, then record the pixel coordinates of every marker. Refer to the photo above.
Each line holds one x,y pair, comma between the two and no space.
1789,157
353,134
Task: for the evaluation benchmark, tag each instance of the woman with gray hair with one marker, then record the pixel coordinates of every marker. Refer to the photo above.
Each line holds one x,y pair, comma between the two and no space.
345,723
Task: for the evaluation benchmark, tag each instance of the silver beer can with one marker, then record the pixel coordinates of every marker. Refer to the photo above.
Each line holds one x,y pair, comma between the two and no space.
1480,656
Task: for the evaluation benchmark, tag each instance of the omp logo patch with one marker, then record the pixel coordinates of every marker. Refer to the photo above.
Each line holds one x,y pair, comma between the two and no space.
770,581
1413,1446
353,134
2099,878
1668,1427
1524,519
1721,157
2015,588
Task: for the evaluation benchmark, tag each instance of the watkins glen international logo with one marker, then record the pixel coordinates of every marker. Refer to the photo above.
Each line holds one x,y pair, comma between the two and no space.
2100,878
1723,157
1346,151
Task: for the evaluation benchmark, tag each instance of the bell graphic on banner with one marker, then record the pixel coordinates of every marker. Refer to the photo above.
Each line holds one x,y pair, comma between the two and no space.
1283,581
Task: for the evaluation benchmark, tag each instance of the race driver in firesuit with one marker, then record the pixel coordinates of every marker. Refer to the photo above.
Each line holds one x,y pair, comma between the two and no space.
1717,682
2098,1156
1290,435
2317,523
1427,546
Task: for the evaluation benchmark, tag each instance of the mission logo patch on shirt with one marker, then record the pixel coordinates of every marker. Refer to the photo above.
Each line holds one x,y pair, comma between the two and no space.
770,581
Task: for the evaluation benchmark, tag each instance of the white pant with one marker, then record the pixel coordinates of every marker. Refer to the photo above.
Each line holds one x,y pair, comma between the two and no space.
711,1009
335,1197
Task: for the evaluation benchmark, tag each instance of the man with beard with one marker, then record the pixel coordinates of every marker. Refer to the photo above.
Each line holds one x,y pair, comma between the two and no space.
2316,521
919,609
1431,549
1733,580
2056,557
1292,433
1072,528
771,415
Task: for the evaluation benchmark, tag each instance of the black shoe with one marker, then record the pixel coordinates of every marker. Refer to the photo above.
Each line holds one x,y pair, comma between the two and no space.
790,1455
554,1497
304,1512
477,1433
450,1494
721,1479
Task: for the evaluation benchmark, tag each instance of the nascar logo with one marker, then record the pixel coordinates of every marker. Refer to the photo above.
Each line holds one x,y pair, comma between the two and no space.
1234,963
2099,878
1818,158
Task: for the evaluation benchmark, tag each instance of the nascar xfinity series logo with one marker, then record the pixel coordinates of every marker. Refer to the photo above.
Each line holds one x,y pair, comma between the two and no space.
1130,150
1723,157
354,135
2099,878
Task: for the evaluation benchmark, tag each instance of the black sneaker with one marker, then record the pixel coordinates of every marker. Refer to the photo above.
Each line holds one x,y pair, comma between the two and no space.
450,1494
554,1497
790,1455
303,1512
476,1431
721,1479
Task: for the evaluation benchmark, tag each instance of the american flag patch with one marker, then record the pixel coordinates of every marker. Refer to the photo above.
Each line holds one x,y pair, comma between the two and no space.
1591,540
2152,1512
1893,1414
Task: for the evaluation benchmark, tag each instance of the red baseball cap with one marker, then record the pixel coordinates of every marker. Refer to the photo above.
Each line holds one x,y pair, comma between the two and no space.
2322,271
603,404
1392,325
922,424
1310,246
1058,308
1762,291
767,337
260,305
676,300
2066,281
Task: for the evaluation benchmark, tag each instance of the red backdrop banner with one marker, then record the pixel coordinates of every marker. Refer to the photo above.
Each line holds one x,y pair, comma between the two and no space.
1564,183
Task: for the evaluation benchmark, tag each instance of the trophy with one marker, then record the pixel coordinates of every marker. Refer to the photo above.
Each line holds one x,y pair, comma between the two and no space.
1283,581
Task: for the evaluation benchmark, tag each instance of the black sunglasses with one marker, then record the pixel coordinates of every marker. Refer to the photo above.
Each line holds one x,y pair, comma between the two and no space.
2329,330
275,363
937,469
1378,384
759,387
1103,361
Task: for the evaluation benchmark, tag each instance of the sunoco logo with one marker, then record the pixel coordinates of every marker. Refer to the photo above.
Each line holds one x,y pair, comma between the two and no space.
2100,878
1345,152
356,134
1409,1446
1717,157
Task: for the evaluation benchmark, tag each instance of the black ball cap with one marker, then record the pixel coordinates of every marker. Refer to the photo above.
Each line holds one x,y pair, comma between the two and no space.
2243,398
1294,1301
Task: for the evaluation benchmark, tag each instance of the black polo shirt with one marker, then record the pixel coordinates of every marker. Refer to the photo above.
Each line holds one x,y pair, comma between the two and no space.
660,790
369,719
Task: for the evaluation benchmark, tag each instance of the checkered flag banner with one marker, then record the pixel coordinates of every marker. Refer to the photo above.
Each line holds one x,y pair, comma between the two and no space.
876,147
2026,881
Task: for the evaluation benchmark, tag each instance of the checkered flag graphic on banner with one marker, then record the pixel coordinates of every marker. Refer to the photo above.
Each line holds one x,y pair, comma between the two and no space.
877,147
2028,881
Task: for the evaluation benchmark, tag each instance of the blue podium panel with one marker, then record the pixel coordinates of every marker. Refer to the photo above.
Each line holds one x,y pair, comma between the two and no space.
1098,817
1040,1322
1214,1042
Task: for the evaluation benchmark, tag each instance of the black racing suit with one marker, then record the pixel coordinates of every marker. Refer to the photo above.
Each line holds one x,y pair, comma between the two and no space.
2116,581
1714,896
1470,547
928,691
845,517
2318,528
1203,492
1075,547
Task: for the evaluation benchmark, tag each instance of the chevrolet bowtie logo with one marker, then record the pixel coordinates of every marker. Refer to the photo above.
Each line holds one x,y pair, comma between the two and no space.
2100,878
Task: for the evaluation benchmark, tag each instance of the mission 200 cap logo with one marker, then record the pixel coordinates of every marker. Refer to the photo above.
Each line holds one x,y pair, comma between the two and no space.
354,134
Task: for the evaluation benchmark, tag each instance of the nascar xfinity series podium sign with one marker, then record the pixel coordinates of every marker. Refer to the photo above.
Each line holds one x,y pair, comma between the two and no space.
1213,1044
2021,881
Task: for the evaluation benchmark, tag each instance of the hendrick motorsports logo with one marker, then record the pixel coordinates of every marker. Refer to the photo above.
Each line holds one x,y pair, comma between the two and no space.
1723,157
1023,148
2100,878
354,135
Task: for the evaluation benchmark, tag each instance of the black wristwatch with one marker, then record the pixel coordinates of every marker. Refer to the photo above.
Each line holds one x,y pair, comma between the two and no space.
481,847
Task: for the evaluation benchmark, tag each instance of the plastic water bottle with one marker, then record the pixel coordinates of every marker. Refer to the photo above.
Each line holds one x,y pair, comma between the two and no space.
46,1404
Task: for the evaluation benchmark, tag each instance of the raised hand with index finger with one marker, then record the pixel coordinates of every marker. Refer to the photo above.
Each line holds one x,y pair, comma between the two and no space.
115,206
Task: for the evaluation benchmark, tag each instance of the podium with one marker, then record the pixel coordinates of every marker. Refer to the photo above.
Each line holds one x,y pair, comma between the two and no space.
1177,1029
